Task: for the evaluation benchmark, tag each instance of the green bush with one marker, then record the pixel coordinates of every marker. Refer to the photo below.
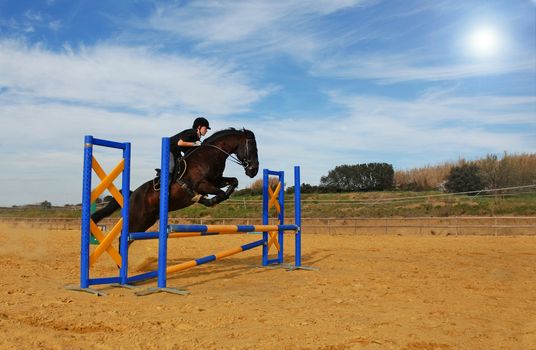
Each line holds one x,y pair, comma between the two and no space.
359,177
464,178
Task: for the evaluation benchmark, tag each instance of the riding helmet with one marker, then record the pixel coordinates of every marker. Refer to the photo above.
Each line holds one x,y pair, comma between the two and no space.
200,122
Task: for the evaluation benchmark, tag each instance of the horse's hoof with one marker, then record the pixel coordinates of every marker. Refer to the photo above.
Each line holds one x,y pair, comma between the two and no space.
196,198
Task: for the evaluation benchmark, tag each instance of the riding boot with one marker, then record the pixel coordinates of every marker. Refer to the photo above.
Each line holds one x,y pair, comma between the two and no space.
173,169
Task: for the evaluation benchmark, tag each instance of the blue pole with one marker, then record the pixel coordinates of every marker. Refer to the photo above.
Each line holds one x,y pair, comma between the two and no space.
86,212
164,198
281,199
297,214
265,216
125,214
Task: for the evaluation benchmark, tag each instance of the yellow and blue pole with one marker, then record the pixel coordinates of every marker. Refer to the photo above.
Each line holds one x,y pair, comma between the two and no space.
213,257
182,231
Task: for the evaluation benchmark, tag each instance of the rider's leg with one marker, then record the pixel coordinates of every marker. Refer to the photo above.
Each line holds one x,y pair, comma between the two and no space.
172,164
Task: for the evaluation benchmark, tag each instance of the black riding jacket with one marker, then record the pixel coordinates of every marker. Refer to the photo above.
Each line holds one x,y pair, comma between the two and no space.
188,135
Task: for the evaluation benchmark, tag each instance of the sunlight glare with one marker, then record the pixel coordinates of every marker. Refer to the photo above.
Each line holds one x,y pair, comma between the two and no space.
484,41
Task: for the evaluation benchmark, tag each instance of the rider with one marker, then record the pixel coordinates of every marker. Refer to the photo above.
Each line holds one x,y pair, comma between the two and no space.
184,142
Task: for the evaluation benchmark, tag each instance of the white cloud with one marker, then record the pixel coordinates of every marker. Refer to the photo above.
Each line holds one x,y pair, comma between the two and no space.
125,77
395,68
444,126
33,16
56,25
213,21
248,28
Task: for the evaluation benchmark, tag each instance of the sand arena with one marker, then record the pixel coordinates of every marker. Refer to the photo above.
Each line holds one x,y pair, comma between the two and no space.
371,292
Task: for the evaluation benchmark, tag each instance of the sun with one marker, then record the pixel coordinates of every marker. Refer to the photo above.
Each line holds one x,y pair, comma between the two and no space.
484,41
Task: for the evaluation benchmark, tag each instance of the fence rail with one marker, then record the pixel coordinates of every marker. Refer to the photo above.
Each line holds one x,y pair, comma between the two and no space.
470,225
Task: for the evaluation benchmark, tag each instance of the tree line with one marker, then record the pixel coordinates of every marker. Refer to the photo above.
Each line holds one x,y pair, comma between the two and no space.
490,172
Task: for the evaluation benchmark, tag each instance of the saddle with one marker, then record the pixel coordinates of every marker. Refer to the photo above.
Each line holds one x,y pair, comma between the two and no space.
174,176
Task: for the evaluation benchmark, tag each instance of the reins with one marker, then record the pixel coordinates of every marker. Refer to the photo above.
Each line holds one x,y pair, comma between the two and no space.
233,158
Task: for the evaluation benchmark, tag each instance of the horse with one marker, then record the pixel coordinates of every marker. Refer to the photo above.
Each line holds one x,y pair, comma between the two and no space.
201,175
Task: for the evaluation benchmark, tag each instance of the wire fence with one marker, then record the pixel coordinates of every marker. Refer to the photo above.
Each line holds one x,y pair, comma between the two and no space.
495,226
495,192
446,223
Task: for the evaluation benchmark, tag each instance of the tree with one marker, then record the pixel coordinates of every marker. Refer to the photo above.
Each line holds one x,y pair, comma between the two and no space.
342,178
383,176
489,171
464,178
46,205
359,177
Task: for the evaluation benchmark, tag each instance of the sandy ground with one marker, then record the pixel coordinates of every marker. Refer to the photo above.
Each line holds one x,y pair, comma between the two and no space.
371,292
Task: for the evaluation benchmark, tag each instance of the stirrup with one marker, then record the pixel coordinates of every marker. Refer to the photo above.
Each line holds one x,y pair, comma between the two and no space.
156,184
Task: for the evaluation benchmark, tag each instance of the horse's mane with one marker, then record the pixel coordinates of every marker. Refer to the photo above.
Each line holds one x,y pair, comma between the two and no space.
226,132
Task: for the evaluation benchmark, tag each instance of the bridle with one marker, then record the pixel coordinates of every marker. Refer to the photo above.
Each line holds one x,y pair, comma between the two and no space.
245,164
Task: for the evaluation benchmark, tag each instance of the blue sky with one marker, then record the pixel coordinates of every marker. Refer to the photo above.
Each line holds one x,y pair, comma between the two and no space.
321,83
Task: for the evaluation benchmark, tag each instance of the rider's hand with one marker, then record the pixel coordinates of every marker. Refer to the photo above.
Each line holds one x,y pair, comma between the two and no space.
196,144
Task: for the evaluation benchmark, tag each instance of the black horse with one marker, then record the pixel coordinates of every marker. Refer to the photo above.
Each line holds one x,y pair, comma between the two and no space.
201,175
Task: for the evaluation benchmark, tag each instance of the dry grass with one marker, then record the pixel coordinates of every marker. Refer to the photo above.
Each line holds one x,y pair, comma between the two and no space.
508,171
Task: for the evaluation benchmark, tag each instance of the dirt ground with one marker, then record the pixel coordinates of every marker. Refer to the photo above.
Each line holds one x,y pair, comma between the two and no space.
370,292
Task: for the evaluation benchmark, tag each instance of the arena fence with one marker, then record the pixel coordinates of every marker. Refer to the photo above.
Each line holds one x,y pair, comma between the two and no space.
461,225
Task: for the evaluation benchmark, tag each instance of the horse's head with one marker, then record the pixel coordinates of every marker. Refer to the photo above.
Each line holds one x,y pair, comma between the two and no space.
246,152
240,143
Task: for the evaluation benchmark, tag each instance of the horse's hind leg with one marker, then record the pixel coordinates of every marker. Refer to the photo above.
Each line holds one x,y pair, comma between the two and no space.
210,202
106,211
144,206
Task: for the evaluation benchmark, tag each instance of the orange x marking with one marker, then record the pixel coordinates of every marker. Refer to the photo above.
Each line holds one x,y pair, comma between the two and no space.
107,181
111,187
105,242
273,197
273,240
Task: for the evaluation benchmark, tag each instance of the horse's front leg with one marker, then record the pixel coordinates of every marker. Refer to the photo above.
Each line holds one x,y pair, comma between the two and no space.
232,182
219,194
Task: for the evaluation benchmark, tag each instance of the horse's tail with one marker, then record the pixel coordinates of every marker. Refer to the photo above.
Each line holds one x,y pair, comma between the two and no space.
105,211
